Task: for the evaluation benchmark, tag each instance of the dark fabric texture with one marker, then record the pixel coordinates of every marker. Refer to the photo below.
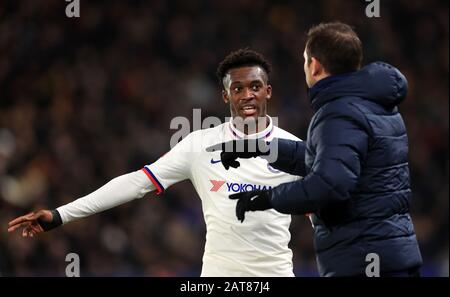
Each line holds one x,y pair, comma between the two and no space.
356,180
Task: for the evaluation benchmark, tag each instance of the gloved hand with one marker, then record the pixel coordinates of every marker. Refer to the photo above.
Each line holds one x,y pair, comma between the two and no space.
243,148
251,201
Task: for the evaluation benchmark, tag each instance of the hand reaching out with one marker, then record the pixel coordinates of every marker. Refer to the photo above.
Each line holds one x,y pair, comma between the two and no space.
36,222
243,148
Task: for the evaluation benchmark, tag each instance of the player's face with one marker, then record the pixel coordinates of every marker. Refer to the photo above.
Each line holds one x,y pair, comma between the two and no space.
247,91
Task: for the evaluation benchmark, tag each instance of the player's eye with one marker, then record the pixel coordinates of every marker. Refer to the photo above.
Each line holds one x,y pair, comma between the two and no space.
237,89
256,88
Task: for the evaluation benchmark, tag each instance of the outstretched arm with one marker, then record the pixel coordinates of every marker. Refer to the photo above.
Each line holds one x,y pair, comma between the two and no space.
291,156
171,168
119,190
341,143
283,154
341,146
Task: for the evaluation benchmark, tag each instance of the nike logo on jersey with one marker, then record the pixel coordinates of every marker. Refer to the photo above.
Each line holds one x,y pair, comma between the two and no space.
214,161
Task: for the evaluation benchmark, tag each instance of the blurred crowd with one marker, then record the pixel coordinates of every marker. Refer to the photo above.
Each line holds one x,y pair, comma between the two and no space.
83,100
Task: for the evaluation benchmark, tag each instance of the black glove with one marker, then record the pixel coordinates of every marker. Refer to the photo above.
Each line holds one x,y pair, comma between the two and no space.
251,201
243,148
56,221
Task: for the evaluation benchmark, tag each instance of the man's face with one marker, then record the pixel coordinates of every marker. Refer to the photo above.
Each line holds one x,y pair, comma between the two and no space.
247,91
307,69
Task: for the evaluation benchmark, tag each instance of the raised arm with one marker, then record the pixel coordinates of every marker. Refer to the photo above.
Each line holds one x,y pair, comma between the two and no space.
119,190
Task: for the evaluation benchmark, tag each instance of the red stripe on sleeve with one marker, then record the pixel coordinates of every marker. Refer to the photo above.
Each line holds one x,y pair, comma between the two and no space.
159,190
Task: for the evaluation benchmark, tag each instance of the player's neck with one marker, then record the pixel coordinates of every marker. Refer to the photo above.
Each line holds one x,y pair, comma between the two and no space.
261,125
251,126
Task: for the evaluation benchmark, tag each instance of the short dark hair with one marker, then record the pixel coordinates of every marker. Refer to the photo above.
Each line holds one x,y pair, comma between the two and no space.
336,46
241,58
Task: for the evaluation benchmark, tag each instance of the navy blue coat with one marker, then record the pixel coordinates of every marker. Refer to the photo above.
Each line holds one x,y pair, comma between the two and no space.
356,176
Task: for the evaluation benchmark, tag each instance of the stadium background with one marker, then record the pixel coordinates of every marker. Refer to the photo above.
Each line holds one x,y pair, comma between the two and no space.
86,99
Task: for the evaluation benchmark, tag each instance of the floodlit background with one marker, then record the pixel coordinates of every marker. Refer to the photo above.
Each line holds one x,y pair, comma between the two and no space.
83,100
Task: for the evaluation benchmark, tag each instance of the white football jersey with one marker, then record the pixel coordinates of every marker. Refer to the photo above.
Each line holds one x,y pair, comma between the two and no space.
259,245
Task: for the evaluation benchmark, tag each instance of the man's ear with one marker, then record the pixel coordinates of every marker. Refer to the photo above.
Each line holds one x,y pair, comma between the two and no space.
316,67
269,91
225,97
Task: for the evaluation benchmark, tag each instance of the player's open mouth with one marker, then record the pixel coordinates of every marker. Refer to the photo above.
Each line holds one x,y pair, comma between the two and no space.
249,110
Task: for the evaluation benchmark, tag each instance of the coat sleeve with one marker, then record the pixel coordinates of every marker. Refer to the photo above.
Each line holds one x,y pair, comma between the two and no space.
340,142
290,156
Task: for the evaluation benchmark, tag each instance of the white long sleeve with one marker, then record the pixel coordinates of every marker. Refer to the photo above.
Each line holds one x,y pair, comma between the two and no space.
119,190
